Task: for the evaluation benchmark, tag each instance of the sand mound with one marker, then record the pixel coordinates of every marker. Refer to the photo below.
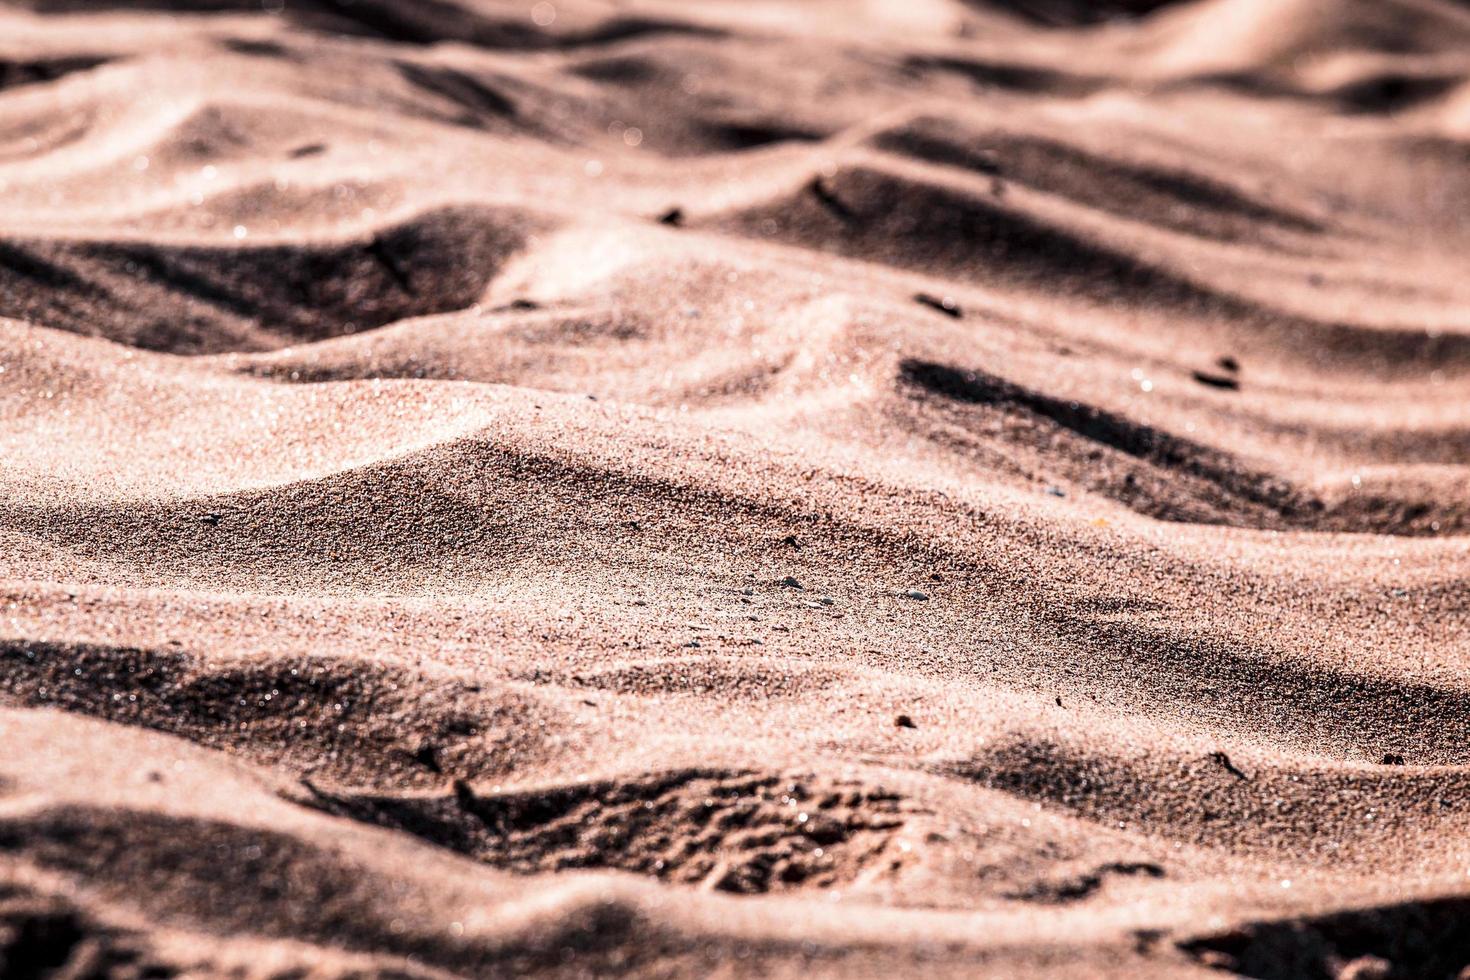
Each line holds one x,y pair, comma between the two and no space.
952,232
1154,193
727,831
257,295
955,488
1264,35
376,727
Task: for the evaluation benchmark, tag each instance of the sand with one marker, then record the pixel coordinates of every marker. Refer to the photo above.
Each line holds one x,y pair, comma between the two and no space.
915,488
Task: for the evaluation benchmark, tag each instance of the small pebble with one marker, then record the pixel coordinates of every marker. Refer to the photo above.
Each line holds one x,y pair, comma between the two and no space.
904,721
428,757
940,304
916,594
1222,381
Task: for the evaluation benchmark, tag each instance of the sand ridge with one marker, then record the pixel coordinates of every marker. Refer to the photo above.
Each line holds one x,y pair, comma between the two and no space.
639,488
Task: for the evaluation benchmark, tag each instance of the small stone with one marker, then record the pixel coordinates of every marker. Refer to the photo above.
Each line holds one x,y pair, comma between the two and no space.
940,304
904,721
790,582
428,757
1226,382
1056,491
916,594
1392,759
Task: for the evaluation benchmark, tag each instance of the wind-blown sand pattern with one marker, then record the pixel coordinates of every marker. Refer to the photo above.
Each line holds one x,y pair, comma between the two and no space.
914,488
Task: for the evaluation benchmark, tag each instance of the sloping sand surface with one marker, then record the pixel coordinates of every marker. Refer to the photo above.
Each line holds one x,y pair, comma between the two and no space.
643,488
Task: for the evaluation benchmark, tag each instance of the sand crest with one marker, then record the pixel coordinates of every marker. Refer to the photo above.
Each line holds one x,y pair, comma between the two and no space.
916,488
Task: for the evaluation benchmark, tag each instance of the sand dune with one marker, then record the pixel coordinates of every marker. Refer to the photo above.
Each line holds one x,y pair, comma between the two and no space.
640,488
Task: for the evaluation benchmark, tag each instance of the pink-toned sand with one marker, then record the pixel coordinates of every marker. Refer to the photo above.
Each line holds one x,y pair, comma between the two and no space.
914,488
